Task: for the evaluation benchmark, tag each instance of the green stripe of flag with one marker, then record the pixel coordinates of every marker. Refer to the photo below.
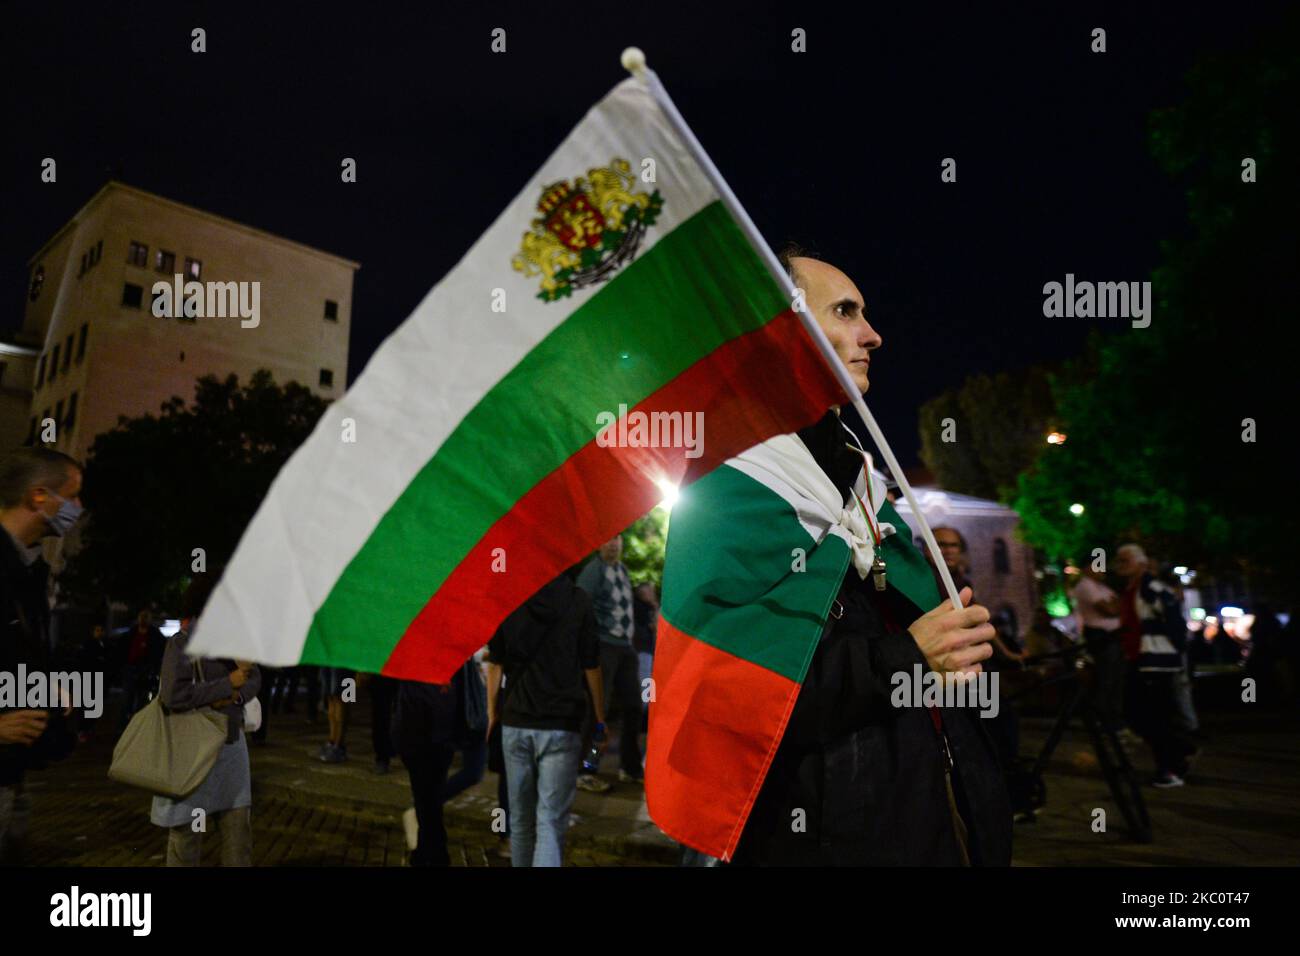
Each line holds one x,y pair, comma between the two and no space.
754,598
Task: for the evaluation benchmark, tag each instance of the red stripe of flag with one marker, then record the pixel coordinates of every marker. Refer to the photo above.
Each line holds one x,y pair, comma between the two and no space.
767,382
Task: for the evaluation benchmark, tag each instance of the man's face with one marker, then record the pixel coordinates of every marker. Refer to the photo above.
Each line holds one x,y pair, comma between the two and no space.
612,549
70,490
949,547
837,305
1127,564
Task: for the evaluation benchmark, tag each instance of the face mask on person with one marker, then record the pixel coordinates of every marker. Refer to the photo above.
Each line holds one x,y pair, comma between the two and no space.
63,519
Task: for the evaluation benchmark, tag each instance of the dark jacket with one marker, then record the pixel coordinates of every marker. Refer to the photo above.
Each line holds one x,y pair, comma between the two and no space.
869,778
544,647
1163,630
155,647
25,640
179,688
451,715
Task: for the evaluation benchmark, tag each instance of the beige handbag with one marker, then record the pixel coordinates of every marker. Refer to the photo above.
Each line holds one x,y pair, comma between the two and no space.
169,752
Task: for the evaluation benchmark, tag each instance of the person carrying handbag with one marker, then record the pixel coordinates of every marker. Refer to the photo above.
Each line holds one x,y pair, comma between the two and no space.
224,798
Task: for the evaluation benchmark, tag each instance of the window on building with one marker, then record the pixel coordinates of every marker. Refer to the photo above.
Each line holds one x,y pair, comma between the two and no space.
67,353
138,254
193,267
81,342
58,417
54,363
71,420
132,295
326,378
83,265
165,261
38,283
31,431
331,310
40,372
1001,560
99,252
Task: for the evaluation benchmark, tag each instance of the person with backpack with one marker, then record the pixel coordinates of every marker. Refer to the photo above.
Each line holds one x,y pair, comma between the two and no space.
549,654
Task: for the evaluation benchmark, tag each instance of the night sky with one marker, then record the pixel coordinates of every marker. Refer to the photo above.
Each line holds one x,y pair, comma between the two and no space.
839,147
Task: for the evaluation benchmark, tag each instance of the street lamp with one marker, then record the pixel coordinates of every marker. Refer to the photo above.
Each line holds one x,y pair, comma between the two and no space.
1076,509
1056,438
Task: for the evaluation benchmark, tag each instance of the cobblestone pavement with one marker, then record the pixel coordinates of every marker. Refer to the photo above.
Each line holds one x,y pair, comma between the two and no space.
1238,808
306,813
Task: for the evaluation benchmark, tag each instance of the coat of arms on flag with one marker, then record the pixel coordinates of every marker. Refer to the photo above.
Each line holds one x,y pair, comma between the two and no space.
587,229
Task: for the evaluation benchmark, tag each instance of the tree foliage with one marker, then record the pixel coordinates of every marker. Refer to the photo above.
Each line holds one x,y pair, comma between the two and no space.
1000,423
1157,429
159,486
643,548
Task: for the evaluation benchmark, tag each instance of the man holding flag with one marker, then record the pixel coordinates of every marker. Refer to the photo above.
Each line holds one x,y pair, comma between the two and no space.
625,275
792,595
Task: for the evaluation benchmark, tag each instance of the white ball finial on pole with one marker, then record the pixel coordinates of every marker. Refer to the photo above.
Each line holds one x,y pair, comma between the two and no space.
633,60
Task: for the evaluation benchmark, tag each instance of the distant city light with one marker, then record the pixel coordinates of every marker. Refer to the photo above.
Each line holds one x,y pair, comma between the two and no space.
1056,438
1076,509
1230,611
1181,569
1197,614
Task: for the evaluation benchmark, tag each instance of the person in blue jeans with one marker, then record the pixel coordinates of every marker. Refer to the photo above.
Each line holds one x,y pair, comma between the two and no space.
550,656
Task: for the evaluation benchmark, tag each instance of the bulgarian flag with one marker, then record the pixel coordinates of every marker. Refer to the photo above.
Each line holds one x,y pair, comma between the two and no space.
540,398
757,552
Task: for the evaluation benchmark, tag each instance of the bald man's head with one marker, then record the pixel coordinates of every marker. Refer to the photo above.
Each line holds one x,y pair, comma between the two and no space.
837,305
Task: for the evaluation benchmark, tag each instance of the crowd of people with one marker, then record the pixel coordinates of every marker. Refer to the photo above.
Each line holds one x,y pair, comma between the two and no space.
1137,644
530,705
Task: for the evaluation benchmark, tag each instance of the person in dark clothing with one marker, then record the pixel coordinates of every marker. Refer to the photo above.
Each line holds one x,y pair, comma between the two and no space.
140,650
383,697
473,755
875,783
92,658
549,655
39,497
856,781
605,579
1153,635
645,614
433,722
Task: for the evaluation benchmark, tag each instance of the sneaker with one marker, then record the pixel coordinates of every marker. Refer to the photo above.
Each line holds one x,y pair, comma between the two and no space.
625,777
381,766
1167,780
593,784
334,754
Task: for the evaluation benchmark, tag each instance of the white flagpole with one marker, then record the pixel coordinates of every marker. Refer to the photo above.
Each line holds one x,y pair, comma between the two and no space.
634,62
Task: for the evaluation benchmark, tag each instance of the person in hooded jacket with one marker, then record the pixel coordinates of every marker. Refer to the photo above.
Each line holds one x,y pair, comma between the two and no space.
549,655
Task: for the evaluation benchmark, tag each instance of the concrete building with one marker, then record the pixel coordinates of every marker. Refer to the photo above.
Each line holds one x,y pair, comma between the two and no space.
107,348
999,565
17,373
